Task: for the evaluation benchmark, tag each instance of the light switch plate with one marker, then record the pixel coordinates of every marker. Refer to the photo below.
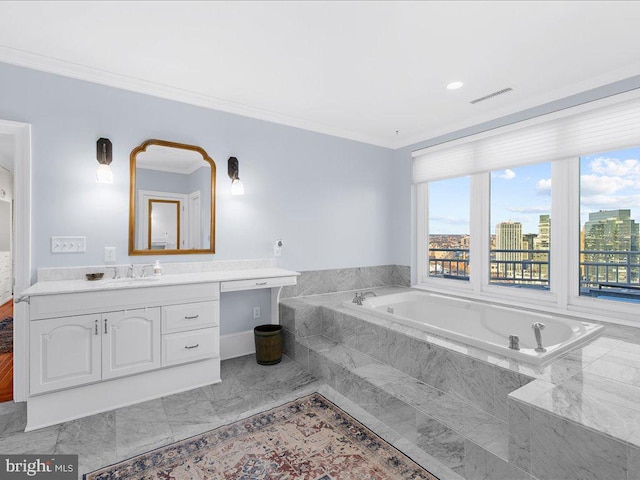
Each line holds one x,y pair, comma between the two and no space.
68,244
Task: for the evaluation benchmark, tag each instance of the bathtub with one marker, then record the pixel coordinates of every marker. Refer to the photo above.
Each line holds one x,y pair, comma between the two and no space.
482,325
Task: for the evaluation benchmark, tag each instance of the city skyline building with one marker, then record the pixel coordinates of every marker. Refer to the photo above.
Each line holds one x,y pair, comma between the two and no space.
608,236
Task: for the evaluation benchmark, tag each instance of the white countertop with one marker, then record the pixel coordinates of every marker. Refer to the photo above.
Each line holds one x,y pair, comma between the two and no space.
79,286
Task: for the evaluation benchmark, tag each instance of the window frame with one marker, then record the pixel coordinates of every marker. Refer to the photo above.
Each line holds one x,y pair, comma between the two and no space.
563,296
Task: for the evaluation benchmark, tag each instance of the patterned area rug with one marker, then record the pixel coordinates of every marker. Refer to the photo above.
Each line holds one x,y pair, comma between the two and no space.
309,438
6,335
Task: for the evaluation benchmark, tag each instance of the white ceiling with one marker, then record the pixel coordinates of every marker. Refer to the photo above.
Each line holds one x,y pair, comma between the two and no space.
360,70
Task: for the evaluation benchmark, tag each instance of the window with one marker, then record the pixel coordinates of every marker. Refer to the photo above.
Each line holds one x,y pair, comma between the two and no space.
609,222
497,196
520,226
448,240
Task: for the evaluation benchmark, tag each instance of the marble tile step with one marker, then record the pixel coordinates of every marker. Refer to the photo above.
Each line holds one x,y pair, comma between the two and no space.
371,383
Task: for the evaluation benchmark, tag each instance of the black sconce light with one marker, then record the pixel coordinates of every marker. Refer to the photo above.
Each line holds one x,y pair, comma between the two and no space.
233,170
103,155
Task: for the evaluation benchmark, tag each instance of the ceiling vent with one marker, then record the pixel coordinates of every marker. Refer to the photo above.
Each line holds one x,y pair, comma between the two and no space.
491,95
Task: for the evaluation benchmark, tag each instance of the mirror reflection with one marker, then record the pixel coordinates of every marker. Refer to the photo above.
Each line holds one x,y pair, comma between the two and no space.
172,199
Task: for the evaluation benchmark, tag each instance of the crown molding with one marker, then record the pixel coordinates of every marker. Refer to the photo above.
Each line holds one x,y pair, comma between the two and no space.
55,66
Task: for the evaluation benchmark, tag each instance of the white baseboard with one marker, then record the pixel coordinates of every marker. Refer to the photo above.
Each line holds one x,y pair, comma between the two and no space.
235,345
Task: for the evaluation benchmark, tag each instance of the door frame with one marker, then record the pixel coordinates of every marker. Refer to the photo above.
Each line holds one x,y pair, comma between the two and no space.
21,252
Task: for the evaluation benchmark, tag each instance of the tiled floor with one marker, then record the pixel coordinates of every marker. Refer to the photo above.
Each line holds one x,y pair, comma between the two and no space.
246,388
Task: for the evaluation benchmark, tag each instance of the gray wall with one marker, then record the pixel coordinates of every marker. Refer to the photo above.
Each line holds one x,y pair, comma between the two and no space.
331,200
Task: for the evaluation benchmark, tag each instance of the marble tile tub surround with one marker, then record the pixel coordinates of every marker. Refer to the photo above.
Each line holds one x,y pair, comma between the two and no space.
78,273
317,282
572,399
477,377
593,417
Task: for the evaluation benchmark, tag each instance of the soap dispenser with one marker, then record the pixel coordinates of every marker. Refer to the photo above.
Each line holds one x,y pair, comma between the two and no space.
157,268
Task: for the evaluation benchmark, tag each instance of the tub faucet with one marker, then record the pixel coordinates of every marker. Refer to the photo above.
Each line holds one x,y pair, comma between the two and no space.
514,342
358,299
537,327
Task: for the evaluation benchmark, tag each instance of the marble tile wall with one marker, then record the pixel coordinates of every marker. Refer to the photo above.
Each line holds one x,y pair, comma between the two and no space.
550,447
315,282
480,383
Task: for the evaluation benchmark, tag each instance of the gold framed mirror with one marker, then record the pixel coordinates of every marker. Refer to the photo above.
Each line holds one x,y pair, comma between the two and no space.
172,199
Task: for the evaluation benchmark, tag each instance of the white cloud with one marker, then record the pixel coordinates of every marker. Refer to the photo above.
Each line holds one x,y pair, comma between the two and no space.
614,167
543,186
602,184
611,202
508,174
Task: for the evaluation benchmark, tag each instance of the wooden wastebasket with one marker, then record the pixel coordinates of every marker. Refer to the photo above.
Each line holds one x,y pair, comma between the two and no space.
268,340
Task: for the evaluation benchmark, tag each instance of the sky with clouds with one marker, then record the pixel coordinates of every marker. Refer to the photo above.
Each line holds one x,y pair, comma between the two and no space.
608,181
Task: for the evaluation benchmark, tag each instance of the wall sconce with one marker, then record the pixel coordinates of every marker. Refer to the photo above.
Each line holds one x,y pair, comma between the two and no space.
103,155
232,169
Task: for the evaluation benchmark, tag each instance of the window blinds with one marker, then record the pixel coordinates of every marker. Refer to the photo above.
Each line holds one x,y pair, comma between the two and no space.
577,131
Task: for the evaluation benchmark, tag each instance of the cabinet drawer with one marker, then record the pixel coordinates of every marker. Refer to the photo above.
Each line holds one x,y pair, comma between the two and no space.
256,283
188,346
189,316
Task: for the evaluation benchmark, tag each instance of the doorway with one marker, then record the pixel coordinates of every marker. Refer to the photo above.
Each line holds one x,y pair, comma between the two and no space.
15,269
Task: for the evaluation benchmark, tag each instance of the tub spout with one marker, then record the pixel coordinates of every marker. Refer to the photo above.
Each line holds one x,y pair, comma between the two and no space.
537,328
514,342
358,299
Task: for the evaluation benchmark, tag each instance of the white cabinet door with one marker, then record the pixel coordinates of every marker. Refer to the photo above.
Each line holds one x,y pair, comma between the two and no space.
130,342
65,352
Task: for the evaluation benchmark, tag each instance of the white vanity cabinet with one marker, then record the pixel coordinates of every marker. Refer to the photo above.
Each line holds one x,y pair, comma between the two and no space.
130,342
66,352
94,351
98,346
71,351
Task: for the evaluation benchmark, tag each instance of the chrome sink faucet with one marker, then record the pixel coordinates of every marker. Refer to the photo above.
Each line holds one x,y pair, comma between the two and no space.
537,328
131,273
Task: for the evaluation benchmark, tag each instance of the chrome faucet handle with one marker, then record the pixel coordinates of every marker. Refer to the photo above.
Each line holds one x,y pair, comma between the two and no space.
514,342
115,272
144,267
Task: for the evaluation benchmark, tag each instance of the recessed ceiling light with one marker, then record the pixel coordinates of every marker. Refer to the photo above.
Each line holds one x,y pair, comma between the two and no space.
454,85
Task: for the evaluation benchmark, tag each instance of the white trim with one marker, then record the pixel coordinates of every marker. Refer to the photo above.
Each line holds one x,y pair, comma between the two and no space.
102,77
21,251
238,344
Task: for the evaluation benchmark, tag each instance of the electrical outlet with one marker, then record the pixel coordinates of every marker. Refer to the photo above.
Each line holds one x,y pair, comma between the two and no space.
68,244
109,254
256,313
